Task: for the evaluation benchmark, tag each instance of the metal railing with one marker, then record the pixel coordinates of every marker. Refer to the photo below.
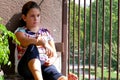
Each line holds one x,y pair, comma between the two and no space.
93,39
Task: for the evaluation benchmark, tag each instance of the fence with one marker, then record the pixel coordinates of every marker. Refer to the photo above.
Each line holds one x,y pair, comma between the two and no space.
93,38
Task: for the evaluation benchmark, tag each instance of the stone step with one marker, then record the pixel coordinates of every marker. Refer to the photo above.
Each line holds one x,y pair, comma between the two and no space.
13,77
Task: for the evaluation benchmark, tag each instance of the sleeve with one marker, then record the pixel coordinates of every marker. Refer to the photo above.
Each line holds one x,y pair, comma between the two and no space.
20,29
49,36
46,33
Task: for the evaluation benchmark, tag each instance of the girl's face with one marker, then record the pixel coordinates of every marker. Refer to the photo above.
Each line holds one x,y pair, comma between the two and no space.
32,18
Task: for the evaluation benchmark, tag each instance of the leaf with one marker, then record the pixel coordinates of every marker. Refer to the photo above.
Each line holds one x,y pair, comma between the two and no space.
4,44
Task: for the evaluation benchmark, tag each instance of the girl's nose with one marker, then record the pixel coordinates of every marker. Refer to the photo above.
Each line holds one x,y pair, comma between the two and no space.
35,18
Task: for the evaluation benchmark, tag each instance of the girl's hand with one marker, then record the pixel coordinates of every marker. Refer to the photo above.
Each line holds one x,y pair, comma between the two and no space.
41,41
50,61
44,42
49,50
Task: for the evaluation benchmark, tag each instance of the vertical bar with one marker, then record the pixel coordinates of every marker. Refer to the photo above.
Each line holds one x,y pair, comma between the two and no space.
64,37
73,35
90,41
96,40
69,37
79,39
84,39
110,42
118,47
102,72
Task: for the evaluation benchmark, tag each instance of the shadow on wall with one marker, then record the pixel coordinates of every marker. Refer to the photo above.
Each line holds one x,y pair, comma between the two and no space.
14,22
12,25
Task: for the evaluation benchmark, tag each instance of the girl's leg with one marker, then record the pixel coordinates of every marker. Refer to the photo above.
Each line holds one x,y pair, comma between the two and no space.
51,73
30,66
34,66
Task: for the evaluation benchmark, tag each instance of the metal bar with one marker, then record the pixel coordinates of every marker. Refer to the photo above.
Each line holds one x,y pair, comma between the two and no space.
118,47
84,39
110,42
79,39
102,71
90,41
69,37
96,40
73,36
64,37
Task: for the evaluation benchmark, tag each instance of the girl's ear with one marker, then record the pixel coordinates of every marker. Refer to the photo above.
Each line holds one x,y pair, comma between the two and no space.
24,17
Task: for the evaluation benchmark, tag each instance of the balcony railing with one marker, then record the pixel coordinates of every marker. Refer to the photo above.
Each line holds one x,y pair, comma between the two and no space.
93,39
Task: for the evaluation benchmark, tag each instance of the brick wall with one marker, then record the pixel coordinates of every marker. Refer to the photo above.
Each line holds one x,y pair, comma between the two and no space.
51,18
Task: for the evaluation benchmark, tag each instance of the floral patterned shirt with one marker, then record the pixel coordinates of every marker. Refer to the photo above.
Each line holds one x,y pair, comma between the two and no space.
42,32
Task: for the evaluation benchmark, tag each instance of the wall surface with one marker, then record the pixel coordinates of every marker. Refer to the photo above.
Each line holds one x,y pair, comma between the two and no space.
51,18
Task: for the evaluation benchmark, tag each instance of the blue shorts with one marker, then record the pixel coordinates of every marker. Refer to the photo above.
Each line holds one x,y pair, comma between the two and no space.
48,72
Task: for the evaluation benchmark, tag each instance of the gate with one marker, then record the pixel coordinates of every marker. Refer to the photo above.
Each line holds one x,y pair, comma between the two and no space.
93,38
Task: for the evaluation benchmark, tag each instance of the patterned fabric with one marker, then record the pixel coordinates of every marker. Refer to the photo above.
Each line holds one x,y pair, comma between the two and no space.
42,32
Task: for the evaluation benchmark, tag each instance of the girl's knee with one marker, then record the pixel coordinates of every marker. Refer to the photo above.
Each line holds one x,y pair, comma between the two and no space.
34,64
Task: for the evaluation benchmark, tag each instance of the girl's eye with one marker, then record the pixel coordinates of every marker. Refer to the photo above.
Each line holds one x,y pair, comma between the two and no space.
32,15
38,15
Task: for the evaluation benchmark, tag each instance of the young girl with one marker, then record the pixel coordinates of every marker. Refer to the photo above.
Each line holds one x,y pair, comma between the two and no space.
36,52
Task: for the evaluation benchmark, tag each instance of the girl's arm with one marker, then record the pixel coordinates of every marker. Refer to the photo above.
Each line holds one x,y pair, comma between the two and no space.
52,58
50,49
26,40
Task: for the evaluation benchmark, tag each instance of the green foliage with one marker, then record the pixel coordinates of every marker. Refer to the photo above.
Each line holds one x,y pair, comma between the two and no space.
4,44
99,56
106,27
113,74
113,56
2,77
106,55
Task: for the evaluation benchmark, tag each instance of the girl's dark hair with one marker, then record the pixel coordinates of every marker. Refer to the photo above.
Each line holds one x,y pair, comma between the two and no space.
25,9
29,5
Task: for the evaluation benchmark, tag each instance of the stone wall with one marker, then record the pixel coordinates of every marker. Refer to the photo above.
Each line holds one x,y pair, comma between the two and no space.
51,18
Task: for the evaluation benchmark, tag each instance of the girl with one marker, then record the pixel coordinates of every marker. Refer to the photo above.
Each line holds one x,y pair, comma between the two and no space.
37,51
